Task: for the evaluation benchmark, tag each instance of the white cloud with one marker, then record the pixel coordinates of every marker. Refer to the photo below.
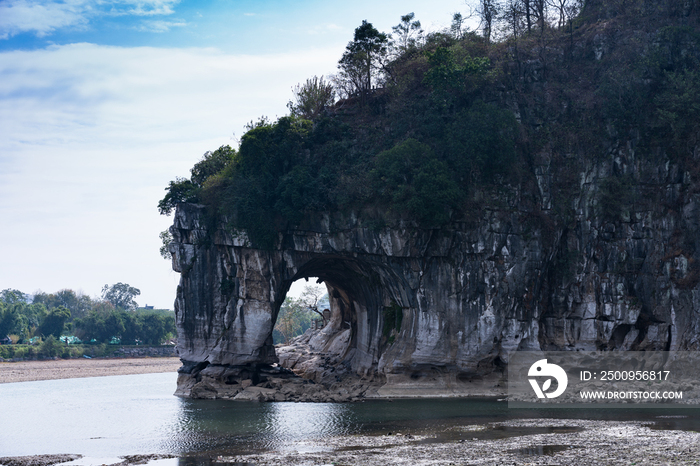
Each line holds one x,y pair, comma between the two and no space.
141,7
44,17
160,26
91,135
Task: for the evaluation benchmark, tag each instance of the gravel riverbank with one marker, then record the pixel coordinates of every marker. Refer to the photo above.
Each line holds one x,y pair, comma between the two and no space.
26,371
551,442
560,442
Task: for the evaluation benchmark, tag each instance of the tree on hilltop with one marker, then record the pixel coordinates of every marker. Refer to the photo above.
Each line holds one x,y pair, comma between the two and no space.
311,98
408,32
363,60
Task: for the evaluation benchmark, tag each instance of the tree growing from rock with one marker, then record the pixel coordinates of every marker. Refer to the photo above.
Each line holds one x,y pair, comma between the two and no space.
488,12
312,297
296,314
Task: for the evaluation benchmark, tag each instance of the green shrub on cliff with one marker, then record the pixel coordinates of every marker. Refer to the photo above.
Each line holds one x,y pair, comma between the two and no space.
286,169
184,190
480,140
413,181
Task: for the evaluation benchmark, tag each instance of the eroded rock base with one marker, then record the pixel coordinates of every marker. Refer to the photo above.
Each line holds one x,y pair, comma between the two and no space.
318,367
277,384
305,373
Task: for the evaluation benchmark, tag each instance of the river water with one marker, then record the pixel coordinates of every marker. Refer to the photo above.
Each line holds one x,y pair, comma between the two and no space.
103,418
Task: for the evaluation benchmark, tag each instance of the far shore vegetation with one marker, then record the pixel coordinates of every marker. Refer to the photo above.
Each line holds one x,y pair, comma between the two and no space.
68,324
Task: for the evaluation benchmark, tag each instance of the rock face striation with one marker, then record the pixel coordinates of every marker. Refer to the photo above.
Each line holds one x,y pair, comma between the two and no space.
437,312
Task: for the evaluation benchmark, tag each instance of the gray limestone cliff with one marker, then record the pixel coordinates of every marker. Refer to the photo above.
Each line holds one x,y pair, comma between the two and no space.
436,312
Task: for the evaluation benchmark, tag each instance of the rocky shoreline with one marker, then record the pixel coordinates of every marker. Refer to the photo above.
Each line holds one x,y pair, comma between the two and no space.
48,460
316,367
311,369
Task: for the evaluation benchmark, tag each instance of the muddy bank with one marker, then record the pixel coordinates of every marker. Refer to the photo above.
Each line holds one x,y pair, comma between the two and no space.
26,371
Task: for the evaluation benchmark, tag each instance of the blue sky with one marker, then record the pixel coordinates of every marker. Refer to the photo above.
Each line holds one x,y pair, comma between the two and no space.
102,102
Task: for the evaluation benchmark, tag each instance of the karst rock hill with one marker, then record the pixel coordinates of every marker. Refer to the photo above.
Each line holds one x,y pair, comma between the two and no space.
590,242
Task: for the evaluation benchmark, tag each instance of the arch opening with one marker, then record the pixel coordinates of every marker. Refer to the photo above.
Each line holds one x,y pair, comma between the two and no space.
352,337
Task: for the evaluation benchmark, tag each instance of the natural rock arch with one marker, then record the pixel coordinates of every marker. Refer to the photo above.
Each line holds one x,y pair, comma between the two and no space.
230,294
436,312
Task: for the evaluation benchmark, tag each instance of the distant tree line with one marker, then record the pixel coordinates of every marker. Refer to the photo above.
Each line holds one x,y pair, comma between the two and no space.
129,327
113,317
297,314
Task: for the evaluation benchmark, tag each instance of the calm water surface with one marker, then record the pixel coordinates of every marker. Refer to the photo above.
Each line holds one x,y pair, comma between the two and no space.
107,417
